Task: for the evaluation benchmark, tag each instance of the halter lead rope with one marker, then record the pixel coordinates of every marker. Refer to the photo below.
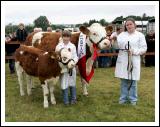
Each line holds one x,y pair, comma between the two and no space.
130,64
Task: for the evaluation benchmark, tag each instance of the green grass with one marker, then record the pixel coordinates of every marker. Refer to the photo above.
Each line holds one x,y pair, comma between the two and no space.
100,105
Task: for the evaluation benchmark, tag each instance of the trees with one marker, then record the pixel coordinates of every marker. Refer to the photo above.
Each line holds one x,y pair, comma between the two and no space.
103,22
42,22
10,28
144,17
29,28
92,21
86,24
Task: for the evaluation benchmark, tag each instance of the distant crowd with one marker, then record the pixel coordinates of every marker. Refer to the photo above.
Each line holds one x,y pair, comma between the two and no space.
101,62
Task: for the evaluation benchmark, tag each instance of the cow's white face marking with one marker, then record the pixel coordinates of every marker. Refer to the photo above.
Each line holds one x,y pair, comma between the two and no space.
37,59
21,52
97,32
65,55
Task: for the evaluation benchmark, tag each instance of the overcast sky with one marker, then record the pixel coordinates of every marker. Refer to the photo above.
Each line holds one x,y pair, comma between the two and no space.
72,14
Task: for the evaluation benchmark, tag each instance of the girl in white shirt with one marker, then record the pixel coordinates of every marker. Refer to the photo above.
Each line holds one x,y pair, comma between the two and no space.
129,77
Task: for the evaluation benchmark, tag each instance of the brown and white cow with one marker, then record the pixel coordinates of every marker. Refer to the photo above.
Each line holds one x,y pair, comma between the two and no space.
96,34
32,61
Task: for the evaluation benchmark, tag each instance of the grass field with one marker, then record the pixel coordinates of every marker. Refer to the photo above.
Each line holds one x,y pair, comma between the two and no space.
100,105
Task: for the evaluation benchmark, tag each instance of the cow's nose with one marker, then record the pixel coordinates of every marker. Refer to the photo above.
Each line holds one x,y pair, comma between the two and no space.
105,43
64,58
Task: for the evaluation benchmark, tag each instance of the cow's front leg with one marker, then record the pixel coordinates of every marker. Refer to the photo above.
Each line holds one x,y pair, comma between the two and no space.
51,89
29,84
20,72
84,87
45,94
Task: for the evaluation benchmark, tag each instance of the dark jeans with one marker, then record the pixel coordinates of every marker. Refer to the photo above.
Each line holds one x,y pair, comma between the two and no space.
12,65
149,61
73,95
104,61
10,49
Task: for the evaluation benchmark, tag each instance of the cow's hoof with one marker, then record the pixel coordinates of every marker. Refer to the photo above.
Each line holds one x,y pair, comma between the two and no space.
45,105
85,94
22,93
53,102
29,94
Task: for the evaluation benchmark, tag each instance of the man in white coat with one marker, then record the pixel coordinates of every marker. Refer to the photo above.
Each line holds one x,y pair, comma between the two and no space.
67,80
137,44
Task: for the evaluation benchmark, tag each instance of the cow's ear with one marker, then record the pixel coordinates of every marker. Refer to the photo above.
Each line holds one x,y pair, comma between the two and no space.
58,55
84,30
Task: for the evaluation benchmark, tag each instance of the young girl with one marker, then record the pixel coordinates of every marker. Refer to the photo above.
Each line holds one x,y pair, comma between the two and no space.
137,44
67,80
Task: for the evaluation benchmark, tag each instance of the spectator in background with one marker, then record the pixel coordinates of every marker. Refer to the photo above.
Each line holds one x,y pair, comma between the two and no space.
150,39
105,61
21,33
40,29
7,38
114,36
59,31
36,30
10,49
113,39
109,30
14,37
49,29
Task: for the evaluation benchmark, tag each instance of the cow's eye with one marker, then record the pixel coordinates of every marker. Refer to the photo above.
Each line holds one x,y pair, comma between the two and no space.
95,34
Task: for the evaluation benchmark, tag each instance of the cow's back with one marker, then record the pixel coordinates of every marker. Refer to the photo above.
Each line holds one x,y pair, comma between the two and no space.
48,41
28,59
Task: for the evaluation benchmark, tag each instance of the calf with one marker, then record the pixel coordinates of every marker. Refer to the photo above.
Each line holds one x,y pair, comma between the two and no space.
32,61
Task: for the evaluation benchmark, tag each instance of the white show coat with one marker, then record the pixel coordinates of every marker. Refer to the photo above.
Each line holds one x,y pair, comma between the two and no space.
138,45
65,79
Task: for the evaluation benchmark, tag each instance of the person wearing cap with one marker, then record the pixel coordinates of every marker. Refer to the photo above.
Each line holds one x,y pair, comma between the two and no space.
68,81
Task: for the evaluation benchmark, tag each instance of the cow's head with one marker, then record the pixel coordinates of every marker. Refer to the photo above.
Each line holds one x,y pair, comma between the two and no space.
96,34
65,57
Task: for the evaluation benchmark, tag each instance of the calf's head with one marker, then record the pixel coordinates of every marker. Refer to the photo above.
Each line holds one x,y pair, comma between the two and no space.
65,57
